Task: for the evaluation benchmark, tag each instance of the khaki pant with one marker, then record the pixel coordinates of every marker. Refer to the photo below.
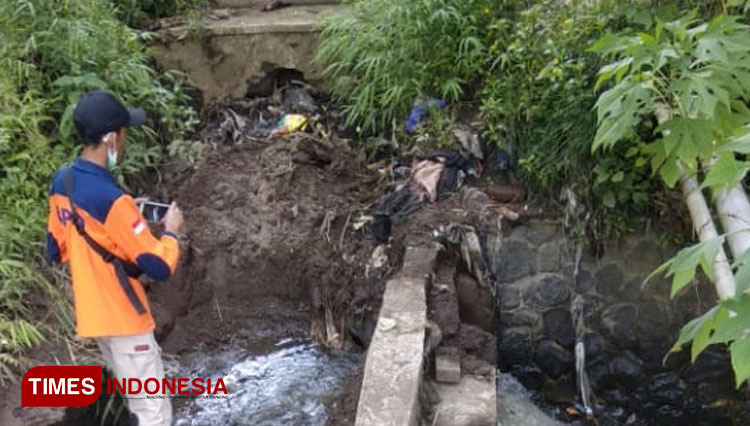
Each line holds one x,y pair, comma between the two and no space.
138,356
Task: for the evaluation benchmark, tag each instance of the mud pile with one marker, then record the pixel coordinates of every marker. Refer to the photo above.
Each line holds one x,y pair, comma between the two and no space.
267,221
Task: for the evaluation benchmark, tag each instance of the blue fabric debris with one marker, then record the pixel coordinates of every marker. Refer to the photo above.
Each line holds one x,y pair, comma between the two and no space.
419,111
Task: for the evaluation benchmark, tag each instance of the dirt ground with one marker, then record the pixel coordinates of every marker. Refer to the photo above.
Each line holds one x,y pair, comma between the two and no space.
269,221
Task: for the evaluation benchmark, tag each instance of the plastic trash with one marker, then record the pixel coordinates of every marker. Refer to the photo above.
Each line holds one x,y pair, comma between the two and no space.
419,111
291,123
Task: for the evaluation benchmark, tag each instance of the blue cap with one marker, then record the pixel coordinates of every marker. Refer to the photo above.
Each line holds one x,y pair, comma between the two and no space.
100,112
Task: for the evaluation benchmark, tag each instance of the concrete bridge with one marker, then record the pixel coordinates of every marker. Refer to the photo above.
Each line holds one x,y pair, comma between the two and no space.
238,45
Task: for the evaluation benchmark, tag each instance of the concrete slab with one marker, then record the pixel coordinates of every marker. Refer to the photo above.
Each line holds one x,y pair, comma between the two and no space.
471,402
420,261
448,365
305,19
393,371
258,4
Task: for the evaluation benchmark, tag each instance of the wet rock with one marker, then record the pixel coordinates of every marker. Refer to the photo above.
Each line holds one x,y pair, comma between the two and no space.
478,342
653,349
513,261
520,318
619,324
553,358
654,319
562,390
474,303
610,280
666,388
547,291
475,366
548,257
599,375
644,257
711,366
594,345
707,393
668,414
558,325
676,361
529,375
584,281
627,369
510,297
515,406
515,346
542,231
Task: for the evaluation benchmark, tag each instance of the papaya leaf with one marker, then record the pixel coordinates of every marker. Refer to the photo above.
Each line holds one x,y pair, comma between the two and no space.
702,338
619,110
611,43
740,353
670,173
615,69
700,93
683,265
736,325
693,327
739,144
725,172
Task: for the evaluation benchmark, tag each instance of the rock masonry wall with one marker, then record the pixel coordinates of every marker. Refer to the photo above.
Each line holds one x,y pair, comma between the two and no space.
629,327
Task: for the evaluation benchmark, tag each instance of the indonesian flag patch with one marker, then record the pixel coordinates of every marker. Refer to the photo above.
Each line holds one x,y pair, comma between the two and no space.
138,226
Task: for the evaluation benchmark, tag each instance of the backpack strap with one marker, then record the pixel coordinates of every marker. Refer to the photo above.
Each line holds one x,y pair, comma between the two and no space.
123,269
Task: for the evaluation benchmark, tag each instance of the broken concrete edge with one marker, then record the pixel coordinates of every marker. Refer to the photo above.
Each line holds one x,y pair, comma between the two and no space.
392,378
307,19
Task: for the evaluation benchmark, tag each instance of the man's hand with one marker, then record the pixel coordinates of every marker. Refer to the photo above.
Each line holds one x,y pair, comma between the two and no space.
173,219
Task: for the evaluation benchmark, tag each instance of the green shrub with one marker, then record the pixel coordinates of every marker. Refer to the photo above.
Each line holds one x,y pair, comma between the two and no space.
51,52
387,55
524,63
136,13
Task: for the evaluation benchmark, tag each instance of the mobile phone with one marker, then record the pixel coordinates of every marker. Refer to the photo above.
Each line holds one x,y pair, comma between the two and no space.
153,212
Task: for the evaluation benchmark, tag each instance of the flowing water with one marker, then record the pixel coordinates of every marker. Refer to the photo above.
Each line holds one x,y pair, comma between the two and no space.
293,384
516,407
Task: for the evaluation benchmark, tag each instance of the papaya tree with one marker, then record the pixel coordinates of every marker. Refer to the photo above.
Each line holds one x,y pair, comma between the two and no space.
693,79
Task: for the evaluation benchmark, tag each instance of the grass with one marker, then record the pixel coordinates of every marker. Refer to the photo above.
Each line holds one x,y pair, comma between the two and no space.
51,53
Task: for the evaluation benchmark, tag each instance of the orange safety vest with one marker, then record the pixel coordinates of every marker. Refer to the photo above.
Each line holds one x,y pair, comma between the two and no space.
111,219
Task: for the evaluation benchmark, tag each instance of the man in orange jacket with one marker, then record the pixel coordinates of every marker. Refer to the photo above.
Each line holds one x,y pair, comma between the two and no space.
96,227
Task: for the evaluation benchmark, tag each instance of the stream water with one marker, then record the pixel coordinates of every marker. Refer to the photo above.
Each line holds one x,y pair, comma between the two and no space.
292,383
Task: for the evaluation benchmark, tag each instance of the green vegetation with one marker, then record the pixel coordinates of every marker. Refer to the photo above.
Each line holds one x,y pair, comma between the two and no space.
51,52
574,104
524,65
698,73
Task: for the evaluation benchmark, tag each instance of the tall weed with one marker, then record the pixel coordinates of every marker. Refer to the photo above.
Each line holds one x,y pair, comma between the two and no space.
51,52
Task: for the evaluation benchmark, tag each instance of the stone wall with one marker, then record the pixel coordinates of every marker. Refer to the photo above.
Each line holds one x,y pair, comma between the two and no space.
629,328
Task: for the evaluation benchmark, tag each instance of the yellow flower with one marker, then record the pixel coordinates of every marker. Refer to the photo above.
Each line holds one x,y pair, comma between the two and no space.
486,10
566,22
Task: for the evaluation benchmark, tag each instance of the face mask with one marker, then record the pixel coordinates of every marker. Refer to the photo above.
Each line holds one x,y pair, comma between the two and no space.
111,157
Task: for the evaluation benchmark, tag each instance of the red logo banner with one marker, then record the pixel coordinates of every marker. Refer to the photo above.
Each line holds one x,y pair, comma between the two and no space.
61,386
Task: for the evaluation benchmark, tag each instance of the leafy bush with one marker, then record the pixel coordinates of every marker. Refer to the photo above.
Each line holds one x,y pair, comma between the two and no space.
387,55
51,52
136,13
524,63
